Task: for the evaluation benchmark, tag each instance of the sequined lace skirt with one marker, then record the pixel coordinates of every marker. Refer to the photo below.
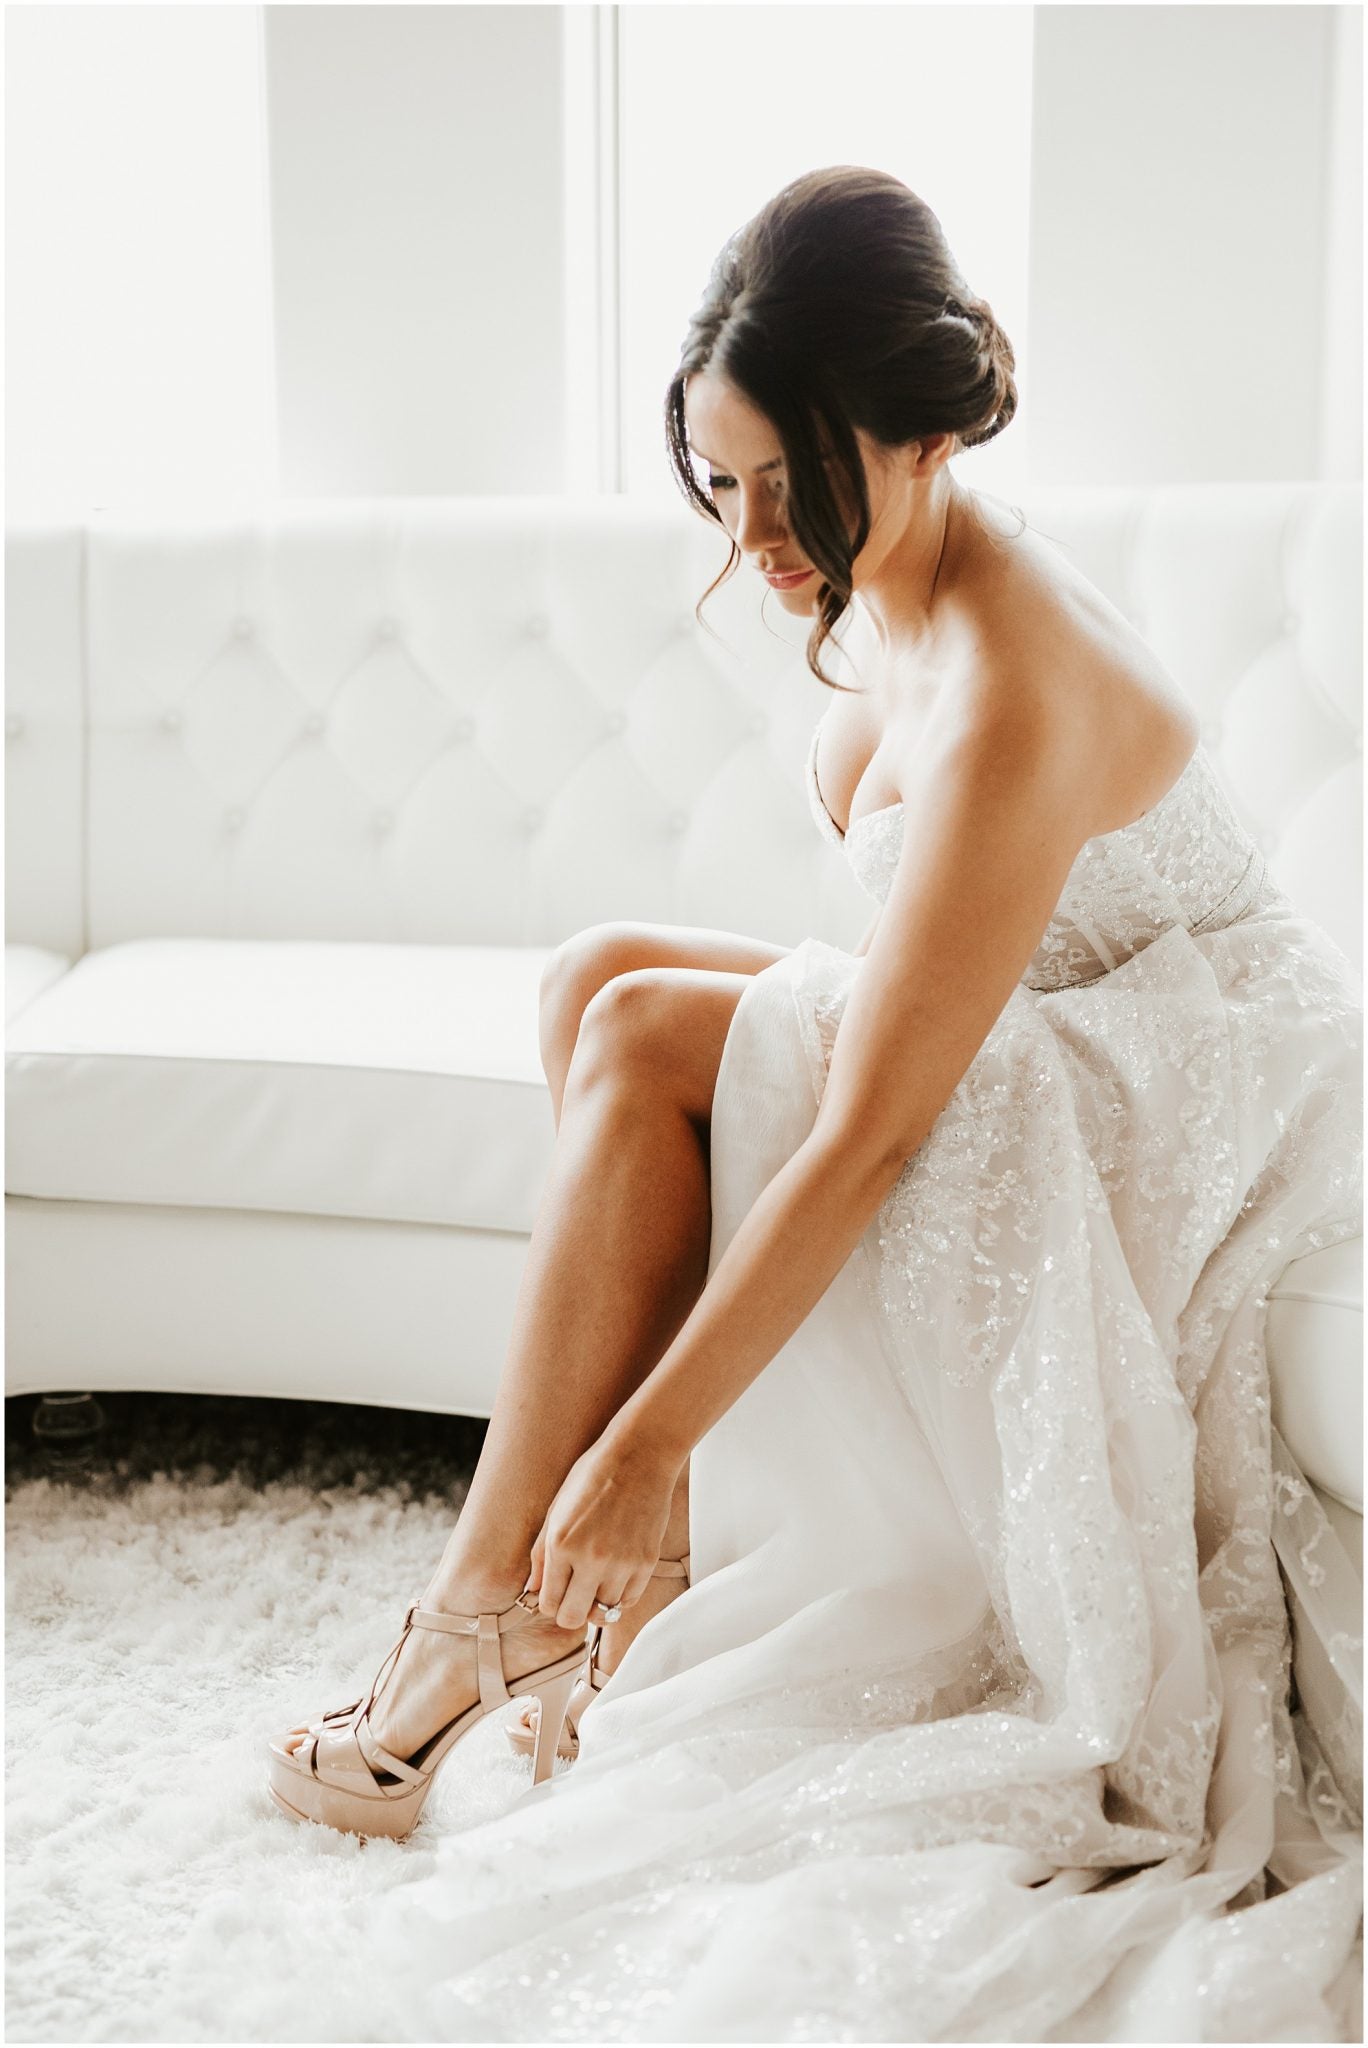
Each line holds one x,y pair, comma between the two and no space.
977,1722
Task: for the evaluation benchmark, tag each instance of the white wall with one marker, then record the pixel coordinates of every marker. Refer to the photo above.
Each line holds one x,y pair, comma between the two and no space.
1178,220
137,319
722,105
417,244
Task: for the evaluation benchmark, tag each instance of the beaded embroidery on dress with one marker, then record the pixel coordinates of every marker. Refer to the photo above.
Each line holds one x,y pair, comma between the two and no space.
976,1723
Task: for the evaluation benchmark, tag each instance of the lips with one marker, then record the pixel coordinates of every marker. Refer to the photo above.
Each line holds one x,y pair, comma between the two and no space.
787,581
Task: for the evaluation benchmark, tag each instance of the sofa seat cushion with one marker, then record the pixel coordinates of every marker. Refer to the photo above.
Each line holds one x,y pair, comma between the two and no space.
28,971
399,1082
1315,1365
403,1083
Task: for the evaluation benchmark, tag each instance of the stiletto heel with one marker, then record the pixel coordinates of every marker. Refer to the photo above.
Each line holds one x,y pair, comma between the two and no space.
553,1697
339,1775
523,1737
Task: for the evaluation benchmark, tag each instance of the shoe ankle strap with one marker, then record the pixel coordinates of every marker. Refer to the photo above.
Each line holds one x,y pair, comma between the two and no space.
523,1611
672,1567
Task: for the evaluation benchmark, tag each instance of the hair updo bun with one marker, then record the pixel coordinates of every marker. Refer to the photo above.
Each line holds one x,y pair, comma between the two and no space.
839,305
996,362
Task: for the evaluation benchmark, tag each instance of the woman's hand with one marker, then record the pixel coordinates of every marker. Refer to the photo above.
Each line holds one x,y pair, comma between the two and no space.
603,1531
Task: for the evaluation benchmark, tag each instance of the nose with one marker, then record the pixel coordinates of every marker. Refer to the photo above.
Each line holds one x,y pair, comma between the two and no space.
760,521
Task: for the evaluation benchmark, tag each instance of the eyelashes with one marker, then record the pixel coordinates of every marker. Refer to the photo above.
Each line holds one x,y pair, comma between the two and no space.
728,483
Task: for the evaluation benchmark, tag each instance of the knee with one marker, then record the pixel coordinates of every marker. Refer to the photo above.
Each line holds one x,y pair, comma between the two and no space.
624,1030
574,975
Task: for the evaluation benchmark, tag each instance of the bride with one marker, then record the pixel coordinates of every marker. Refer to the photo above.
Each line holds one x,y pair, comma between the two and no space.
881,1504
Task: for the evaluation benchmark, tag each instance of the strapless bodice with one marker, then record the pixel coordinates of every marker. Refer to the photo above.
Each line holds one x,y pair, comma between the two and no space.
1187,861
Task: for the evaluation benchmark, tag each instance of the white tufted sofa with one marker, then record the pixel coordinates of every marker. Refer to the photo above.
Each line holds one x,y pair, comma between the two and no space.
299,803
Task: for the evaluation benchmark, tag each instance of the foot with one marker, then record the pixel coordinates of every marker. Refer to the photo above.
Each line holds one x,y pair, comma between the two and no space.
616,1640
433,1679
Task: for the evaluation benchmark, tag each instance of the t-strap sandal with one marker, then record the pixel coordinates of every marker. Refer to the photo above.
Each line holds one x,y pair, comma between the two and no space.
523,1725
342,1777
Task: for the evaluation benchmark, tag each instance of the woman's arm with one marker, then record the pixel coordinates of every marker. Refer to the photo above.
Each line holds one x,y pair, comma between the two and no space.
991,828
794,1240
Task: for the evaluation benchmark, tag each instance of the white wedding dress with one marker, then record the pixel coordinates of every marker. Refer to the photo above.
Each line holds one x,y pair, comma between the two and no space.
978,1720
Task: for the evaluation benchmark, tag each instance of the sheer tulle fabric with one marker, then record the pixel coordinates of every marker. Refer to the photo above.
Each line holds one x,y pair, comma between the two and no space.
977,1722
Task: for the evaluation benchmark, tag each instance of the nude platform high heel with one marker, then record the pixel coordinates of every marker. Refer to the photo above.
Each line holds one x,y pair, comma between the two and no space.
522,1735
343,1778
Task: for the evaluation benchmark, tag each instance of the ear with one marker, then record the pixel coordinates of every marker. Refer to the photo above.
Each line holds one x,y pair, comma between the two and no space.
933,451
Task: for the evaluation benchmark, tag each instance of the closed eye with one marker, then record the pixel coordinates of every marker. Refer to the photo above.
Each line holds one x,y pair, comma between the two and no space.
728,483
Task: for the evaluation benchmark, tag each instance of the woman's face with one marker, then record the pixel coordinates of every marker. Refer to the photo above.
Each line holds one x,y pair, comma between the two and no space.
742,469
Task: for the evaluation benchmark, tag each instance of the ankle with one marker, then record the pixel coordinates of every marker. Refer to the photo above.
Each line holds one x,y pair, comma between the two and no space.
457,1589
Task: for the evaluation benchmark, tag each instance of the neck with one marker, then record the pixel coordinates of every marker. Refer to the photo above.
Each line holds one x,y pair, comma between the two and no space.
902,595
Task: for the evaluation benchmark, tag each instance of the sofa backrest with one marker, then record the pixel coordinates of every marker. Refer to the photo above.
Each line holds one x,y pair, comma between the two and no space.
497,720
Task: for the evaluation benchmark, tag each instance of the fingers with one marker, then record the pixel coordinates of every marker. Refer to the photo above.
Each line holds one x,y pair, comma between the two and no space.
534,1575
555,1578
636,1586
570,1596
580,1598
568,1592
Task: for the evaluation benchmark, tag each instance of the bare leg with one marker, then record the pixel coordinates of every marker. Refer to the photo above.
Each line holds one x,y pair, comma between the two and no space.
609,1279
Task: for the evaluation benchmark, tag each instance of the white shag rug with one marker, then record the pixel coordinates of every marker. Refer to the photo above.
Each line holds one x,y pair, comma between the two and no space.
155,1637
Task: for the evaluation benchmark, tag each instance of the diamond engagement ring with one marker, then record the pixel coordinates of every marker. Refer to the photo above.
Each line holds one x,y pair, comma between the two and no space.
609,1613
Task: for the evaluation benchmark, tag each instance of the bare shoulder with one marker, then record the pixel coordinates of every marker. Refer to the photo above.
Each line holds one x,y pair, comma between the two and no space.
1048,655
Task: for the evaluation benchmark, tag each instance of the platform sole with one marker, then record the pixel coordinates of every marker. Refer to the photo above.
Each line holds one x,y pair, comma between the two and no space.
393,1833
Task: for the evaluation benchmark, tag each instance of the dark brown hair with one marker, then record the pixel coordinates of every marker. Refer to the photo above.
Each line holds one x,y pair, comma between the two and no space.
839,305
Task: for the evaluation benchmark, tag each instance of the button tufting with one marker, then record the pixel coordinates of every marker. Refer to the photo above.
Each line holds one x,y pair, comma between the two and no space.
314,722
531,818
758,722
616,721
14,723
676,823
170,720
538,625
242,627
382,820
1290,621
387,629
235,818
463,729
